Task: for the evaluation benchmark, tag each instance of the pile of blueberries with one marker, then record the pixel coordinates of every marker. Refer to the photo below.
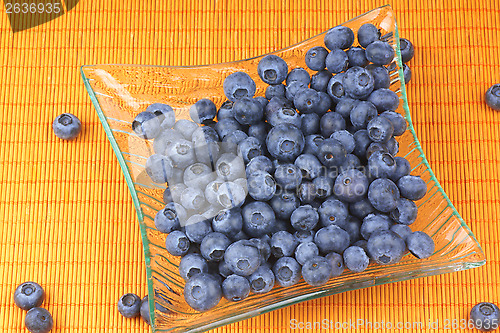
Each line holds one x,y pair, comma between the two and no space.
297,184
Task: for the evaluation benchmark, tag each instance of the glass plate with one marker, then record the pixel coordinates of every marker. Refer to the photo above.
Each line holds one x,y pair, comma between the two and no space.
119,92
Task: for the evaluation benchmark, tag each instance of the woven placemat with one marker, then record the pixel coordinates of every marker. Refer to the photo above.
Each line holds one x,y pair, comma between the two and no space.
67,219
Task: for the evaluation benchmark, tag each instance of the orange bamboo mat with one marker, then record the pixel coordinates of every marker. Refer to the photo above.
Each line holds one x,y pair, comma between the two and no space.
67,220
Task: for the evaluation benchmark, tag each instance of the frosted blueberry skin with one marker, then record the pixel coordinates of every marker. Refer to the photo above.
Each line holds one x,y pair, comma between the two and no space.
129,305
29,295
38,320
485,316
492,97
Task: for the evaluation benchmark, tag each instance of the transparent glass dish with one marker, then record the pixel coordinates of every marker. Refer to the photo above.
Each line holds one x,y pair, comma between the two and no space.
119,92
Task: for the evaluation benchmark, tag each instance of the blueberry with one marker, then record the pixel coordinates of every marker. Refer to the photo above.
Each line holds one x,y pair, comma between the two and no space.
298,74
346,138
181,153
397,120
358,83
230,167
324,186
259,131
198,175
240,236
176,243
287,271
381,165
337,263
304,236
351,185
277,103
406,73
228,221
29,295
261,185
285,142
283,244
351,162
309,166
339,37
197,227
38,320
262,280
262,100
402,230
325,103
367,34
227,126
224,269
238,85
361,208
235,288
288,176
412,187
375,147
250,148
331,153
362,113
275,90
355,259
333,211
384,99
213,246
332,239
159,168
272,69
186,128
306,100
257,163
192,264
386,247
357,57
176,191
193,198
336,61
317,271
383,195
258,219
373,223
319,81
392,146
164,112
407,49
284,115
345,106
312,143
380,76
242,257
405,212
225,111
492,97
202,292
306,251
204,134
144,310
284,204
403,168
304,218
248,111
169,218
307,192
207,152
129,305
309,123
203,111
231,194
315,58
335,88
331,122
362,141
485,316
146,125
380,53
380,129
420,244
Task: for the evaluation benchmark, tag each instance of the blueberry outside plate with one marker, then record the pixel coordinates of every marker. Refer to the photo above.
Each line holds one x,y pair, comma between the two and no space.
120,92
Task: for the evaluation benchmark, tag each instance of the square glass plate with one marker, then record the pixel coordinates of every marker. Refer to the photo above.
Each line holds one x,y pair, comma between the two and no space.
120,92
